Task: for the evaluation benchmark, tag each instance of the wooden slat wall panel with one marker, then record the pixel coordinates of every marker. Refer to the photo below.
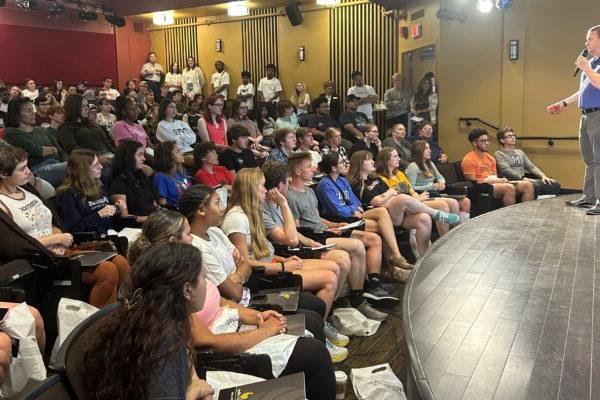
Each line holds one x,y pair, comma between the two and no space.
259,39
181,42
363,39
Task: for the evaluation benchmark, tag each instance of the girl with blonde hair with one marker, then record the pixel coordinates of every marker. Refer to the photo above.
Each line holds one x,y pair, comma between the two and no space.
243,224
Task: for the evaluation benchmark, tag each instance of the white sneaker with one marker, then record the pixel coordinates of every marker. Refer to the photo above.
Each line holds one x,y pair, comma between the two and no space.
370,312
337,354
334,336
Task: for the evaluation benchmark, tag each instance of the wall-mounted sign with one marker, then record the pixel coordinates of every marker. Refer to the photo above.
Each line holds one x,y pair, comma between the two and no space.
416,31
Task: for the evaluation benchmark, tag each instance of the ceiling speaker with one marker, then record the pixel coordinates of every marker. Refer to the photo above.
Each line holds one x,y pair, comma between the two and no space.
294,14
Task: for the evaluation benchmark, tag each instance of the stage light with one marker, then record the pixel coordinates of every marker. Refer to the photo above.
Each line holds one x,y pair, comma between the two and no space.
86,14
485,6
56,9
503,4
163,18
237,9
26,5
328,2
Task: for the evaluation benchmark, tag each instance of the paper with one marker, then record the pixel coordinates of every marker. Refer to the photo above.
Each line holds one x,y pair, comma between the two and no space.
352,225
416,119
130,233
316,248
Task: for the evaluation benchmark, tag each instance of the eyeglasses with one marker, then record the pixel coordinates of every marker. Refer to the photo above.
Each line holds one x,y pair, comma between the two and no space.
483,140
510,135
218,104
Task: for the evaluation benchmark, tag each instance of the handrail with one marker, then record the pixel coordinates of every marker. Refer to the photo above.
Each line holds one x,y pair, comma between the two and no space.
469,121
550,139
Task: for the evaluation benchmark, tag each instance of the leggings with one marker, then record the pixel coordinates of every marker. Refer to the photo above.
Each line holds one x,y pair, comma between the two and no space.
308,301
313,323
105,280
311,357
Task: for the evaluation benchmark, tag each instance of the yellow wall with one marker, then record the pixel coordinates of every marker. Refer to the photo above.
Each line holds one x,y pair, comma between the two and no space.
313,34
231,35
477,79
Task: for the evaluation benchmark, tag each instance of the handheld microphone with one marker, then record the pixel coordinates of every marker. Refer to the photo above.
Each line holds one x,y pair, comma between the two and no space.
584,53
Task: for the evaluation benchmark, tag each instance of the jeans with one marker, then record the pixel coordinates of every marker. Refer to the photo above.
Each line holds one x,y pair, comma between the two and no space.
52,171
589,143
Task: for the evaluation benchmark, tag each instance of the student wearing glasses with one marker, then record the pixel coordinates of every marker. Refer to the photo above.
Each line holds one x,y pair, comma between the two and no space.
480,166
212,126
514,164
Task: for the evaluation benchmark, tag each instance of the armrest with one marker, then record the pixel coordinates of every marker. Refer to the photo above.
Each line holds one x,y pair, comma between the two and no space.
244,363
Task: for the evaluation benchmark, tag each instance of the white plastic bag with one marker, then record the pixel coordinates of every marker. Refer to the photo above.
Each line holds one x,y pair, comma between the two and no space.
279,348
224,380
377,383
226,322
70,313
354,323
27,369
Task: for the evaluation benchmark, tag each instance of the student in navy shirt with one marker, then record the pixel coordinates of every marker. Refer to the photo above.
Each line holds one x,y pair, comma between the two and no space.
83,204
170,178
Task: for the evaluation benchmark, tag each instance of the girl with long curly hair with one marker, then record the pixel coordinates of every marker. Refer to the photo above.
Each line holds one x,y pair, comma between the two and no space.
144,350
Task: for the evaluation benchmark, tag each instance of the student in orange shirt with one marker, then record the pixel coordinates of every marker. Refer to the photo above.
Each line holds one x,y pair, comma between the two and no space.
480,166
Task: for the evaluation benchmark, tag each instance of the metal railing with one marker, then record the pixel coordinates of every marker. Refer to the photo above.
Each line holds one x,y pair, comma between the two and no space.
469,121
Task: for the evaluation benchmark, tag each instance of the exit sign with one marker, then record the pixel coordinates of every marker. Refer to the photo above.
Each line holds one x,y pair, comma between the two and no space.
416,31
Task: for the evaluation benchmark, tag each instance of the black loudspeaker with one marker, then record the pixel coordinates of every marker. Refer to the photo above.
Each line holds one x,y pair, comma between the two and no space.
294,14
115,20
2,3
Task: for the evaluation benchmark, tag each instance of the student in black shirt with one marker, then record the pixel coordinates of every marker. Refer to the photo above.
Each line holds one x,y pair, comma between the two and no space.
131,181
237,155
370,142
322,120
351,120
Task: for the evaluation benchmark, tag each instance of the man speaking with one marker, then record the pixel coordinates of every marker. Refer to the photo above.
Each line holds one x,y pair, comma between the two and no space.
588,100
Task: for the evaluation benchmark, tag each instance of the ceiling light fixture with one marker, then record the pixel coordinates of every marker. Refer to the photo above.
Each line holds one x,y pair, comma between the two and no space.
328,2
163,18
485,6
237,9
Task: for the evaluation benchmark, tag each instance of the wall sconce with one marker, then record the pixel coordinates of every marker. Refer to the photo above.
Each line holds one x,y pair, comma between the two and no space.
513,50
219,45
302,53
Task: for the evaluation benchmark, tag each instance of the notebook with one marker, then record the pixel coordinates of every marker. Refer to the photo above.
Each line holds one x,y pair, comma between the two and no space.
290,387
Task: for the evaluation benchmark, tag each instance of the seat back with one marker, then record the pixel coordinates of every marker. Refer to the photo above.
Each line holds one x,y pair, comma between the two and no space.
52,388
69,360
449,172
17,278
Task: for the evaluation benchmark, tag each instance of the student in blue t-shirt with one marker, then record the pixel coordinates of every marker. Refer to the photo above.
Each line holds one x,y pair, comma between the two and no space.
170,178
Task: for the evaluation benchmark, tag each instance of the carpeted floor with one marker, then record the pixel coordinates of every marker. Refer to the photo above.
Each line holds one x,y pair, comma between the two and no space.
386,346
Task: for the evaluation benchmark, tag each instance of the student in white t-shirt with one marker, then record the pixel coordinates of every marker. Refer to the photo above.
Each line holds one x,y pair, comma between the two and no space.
365,93
245,92
220,80
269,90
111,94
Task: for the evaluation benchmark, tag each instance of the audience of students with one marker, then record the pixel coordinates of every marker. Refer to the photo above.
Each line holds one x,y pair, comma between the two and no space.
333,144
286,117
35,219
387,167
171,129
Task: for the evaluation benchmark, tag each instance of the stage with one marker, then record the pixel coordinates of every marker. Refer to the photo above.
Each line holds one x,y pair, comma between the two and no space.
507,306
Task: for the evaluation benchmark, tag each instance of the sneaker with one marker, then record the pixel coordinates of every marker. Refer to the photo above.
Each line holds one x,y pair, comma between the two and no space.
388,287
378,297
337,354
582,202
594,210
446,218
334,336
370,312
